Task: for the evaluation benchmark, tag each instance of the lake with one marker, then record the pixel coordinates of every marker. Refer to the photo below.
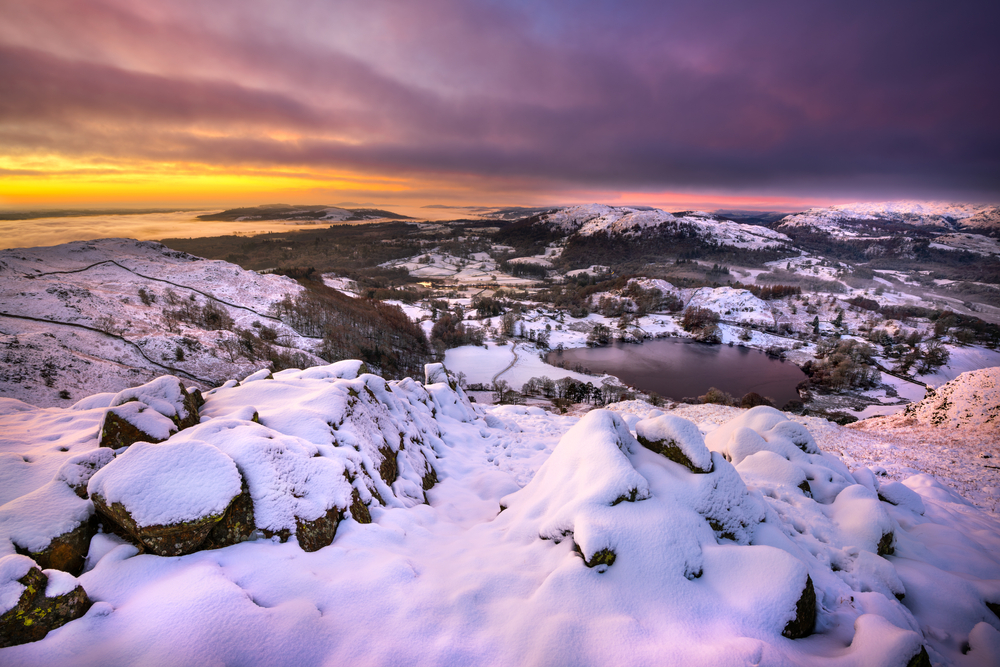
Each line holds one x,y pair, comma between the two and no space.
679,368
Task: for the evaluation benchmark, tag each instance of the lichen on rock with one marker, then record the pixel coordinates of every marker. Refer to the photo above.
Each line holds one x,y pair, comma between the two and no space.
28,613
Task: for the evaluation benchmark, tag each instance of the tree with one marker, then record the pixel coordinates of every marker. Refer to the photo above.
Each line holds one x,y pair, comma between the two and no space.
599,335
816,325
935,355
702,322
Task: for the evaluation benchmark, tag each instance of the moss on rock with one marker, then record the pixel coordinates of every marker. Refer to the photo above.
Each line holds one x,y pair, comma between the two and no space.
35,615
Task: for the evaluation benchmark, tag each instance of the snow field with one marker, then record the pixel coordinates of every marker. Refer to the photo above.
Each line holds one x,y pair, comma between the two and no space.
707,568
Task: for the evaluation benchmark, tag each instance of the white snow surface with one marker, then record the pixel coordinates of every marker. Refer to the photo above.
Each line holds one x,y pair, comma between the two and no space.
707,569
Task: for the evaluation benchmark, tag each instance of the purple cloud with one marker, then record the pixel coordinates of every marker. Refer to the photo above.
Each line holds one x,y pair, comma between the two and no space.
866,98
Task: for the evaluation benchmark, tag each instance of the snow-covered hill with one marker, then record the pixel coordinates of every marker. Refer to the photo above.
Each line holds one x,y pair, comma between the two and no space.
590,219
94,316
703,535
733,305
849,220
970,402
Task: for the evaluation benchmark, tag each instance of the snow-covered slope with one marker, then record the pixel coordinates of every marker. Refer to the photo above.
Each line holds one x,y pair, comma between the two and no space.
91,316
590,219
969,402
739,537
934,216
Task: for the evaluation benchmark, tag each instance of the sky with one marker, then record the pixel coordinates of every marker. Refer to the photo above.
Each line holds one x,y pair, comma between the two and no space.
708,103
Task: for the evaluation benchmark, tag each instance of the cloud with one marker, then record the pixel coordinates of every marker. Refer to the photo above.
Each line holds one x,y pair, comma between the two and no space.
845,97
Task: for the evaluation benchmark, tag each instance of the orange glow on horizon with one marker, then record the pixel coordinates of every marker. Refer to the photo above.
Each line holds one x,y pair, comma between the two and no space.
53,181
48,180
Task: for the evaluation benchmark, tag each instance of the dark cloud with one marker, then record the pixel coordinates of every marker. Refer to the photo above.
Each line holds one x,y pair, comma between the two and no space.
847,97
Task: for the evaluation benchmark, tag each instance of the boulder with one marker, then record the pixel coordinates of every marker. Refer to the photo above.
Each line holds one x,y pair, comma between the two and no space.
317,533
78,470
51,524
172,539
435,373
805,614
166,497
66,552
33,602
131,423
290,487
237,524
167,396
677,439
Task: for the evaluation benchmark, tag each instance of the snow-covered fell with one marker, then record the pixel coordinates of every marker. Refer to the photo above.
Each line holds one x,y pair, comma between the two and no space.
58,304
935,216
590,219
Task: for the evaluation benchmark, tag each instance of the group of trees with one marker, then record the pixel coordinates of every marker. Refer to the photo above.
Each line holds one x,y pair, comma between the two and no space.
843,364
450,331
525,269
569,390
703,323
378,333
209,316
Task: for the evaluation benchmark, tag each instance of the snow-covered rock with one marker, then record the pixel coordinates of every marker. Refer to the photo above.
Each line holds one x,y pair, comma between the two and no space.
677,439
32,604
166,496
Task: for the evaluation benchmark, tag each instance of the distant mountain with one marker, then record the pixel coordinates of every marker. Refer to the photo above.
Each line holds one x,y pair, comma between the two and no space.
318,212
861,220
591,219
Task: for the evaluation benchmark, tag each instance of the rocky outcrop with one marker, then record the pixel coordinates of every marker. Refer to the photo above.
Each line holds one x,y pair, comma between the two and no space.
40,607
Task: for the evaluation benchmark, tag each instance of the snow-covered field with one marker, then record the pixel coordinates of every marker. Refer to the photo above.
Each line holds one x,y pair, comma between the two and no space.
546,539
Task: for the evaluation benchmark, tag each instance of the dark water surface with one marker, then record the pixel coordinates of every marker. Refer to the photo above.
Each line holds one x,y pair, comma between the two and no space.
679,368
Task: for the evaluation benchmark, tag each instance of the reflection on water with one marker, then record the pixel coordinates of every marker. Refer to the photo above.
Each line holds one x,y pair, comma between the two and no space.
678,368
